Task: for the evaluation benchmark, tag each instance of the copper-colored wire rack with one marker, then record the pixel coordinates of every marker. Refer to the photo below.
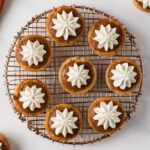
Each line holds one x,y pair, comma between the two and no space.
14,74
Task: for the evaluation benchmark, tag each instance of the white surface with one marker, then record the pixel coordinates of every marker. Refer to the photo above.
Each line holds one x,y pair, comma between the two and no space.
136,133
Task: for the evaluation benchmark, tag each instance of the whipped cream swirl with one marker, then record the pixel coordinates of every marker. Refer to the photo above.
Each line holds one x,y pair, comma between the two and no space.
33,52
146,3
107,115
32,98
123,76
64,122
78,75
106,37
65,25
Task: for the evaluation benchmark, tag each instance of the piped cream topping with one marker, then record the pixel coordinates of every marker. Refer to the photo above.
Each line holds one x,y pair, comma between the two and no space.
107,115
106,37
66,24
123,76
64,122
78,75
33,52
32,97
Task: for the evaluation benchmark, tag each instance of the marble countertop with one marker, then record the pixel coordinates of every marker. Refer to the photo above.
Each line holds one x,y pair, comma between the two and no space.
136,133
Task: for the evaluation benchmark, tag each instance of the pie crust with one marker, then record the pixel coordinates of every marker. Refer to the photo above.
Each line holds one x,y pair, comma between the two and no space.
51,132
94,45
51,32
139,5
133,85
4,141
91,114
18,105
46,58
65,68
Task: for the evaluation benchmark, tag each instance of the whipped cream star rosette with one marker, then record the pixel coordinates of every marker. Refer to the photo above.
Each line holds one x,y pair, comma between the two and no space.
33,52
64,122
123,76
65,25
78,75
107,115
32,97
146,3
106,37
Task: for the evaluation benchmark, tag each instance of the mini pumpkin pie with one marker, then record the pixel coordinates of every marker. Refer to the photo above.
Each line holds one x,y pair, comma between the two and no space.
63,122
106,115
77,75
4,145
34,53
31,97
65,25
143,5
123,76
106,37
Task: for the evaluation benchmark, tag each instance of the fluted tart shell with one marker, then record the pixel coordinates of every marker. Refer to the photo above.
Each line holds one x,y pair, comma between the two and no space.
112,66
139,5
94,44
47,58
19,106
91,114
52,113
52,33
65,68
5,143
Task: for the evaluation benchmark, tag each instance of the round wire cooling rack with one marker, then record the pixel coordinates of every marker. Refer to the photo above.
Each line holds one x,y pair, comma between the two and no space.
14,74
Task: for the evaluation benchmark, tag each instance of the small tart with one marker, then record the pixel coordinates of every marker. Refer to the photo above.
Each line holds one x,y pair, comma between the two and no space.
120,38
44,60
109,75
52,32
88,66
94,123
139,5
42,89
52,113
4,145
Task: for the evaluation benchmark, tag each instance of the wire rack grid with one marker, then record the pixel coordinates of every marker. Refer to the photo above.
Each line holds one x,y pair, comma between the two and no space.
14,74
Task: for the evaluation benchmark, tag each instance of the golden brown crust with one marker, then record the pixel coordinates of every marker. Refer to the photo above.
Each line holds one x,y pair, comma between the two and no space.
51,132
46,58
67,85
51,32
18,105
109,74
139,5
4,141
121,39
91,114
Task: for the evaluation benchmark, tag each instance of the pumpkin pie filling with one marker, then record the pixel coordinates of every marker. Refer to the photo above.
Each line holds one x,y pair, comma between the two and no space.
94,44
46,57
139,5
91,113
52,32
19,105
109,74
49,122
63,77
4,145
